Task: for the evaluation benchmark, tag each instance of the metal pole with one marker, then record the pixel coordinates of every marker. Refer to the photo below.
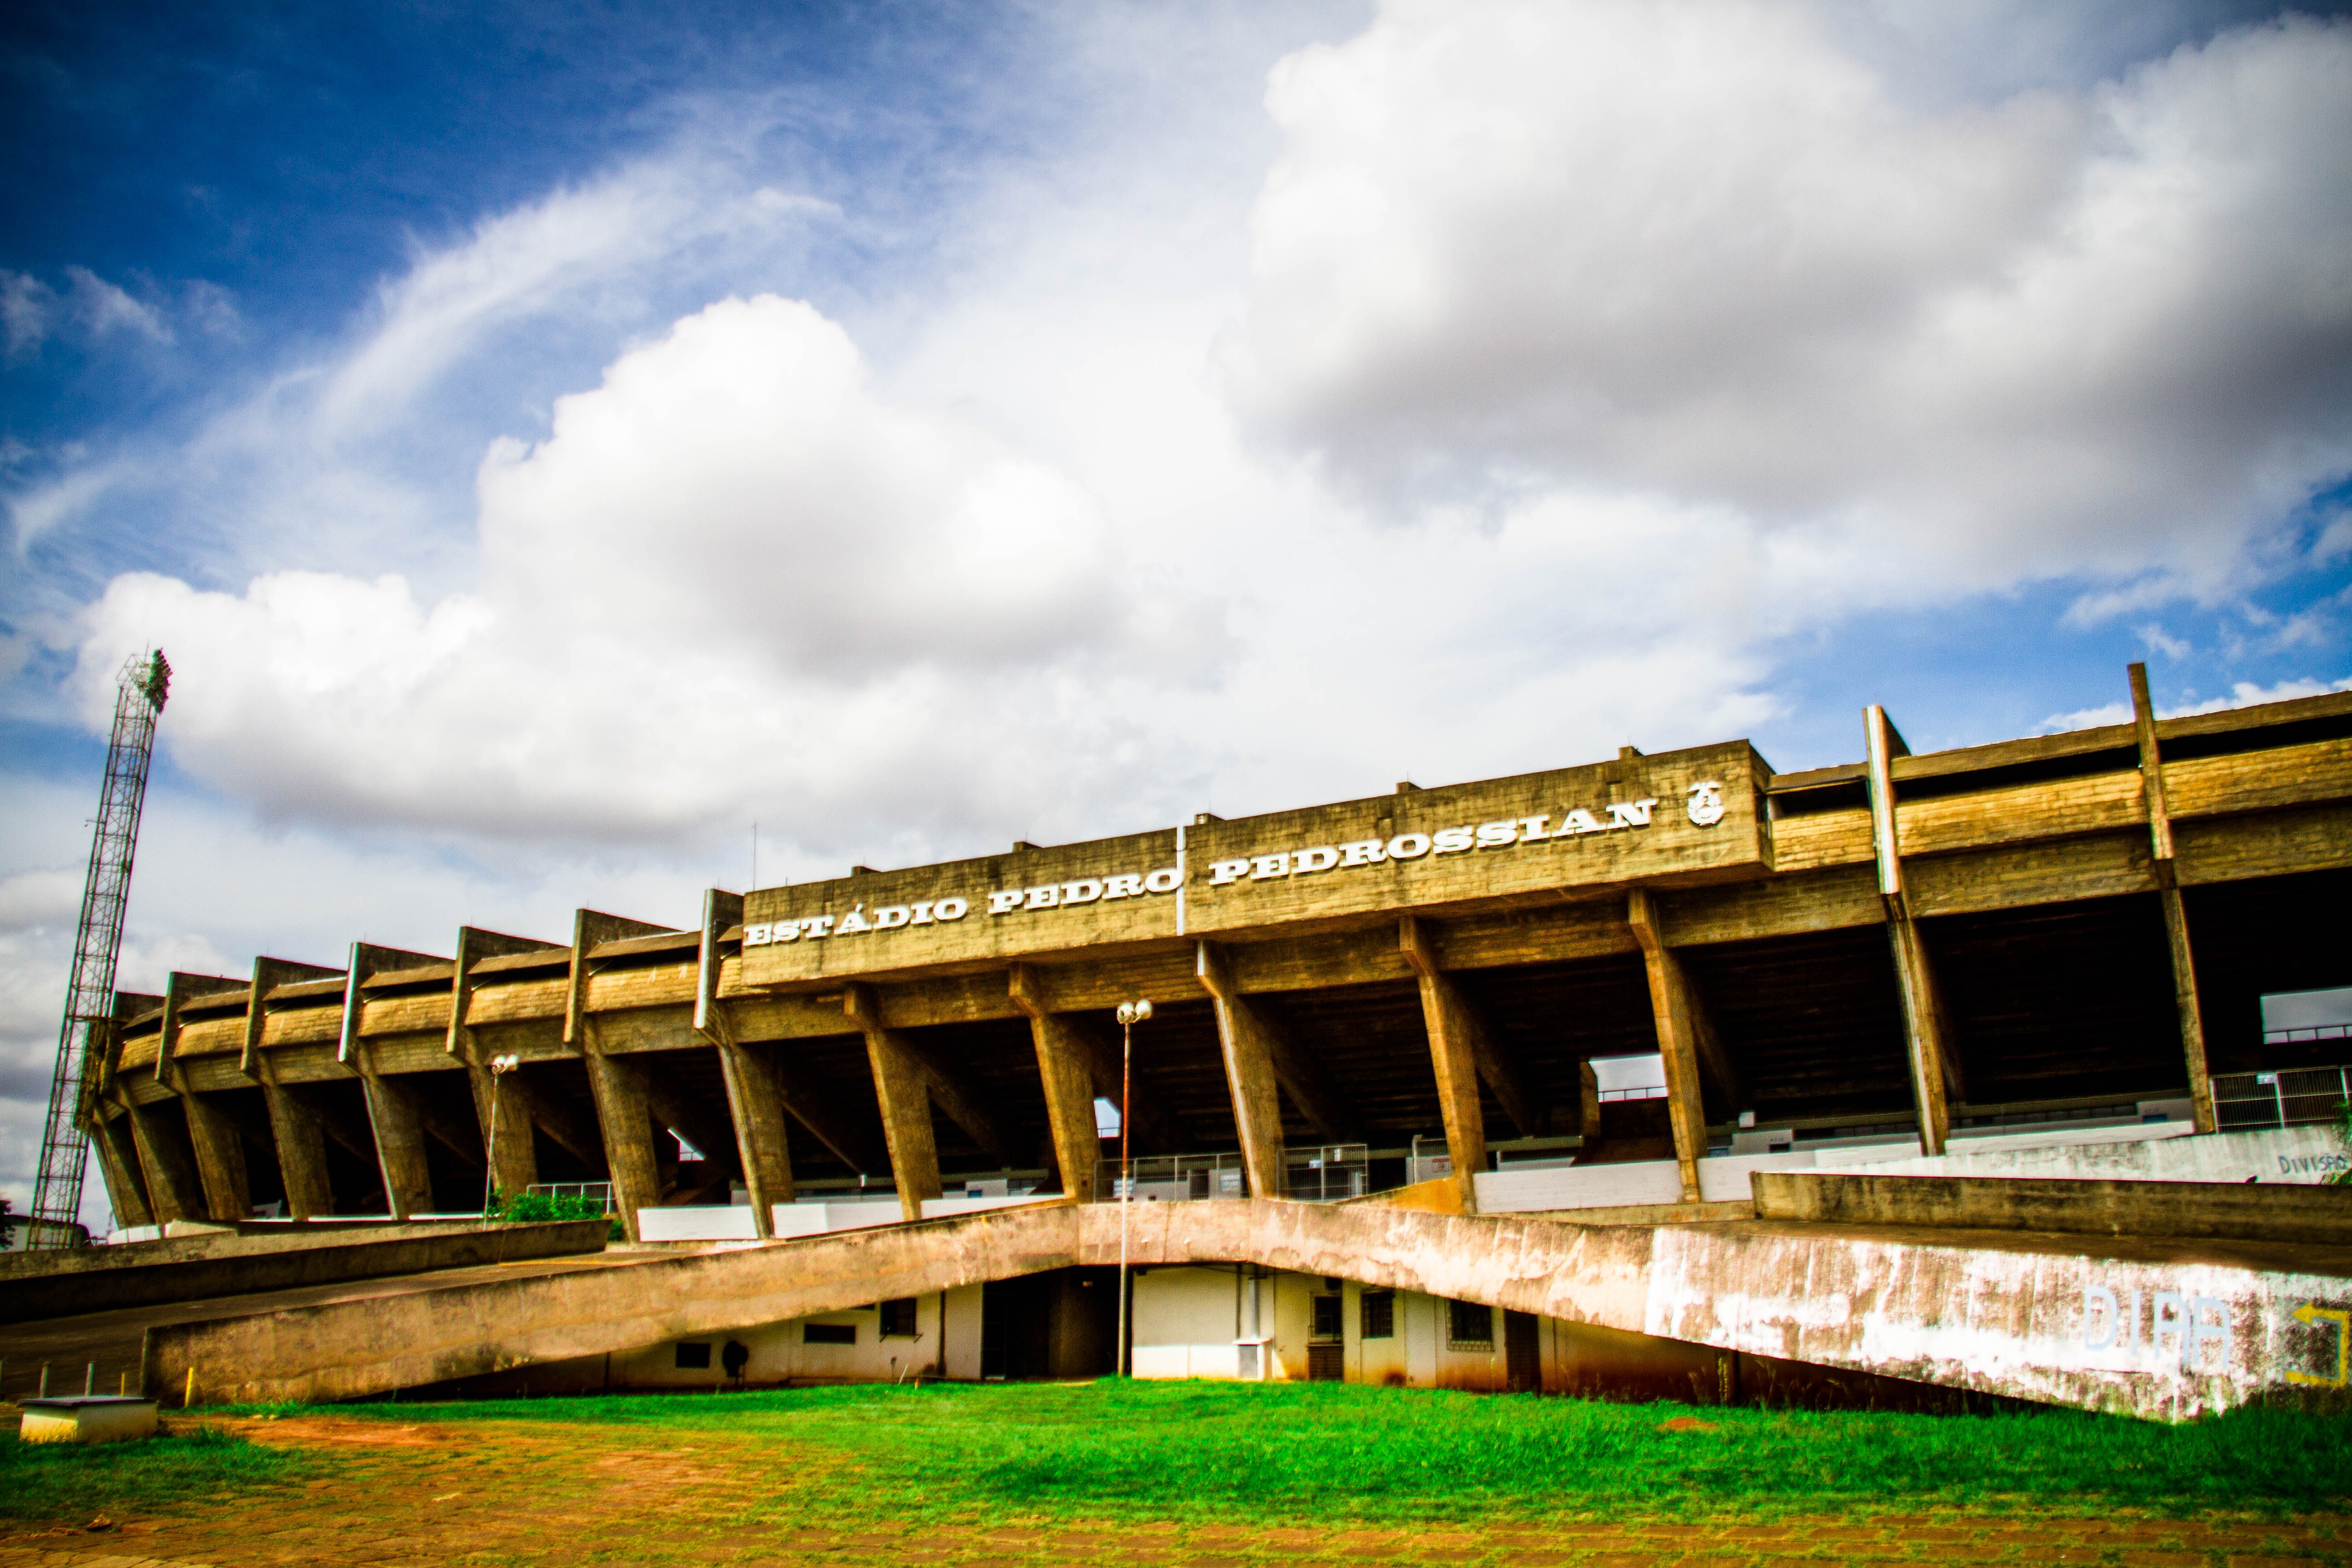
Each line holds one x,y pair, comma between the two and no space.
1126,1169
490,1165
1129,1015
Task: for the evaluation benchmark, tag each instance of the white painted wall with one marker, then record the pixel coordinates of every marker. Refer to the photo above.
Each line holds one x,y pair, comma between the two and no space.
780,1352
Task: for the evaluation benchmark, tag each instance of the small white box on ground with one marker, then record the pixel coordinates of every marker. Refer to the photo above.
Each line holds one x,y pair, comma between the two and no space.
86,1418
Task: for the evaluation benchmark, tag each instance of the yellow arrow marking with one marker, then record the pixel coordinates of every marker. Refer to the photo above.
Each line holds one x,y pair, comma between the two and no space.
2311,1315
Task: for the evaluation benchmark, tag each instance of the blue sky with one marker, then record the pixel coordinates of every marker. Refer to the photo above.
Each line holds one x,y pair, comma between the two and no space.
547,440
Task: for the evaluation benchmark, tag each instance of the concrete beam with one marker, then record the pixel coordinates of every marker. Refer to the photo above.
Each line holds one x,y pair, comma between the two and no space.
398,1128
619,1087
1671,1006
900,1090
755,1106
1936,1081
1249,1050
1069,1086
220,1160
117,1167
165,1161
2176,914
500,1110
301,1136
2021,1315
589,927
1453,1031
269,974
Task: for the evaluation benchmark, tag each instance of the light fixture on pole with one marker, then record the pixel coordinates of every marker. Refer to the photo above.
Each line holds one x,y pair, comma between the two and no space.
500,1067
1131,1014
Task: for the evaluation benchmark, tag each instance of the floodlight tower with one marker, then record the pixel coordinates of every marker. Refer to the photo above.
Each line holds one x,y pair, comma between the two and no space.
145,681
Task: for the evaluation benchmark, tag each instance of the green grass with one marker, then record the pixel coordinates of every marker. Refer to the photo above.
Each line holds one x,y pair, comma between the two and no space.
75,1482
1192,1451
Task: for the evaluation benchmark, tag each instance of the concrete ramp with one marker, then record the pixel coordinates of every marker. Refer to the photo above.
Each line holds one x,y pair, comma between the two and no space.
2154,1325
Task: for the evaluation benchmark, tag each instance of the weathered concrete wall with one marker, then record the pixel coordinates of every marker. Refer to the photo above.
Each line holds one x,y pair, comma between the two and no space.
2196,1326
2268,1156
2307,1215
35,1286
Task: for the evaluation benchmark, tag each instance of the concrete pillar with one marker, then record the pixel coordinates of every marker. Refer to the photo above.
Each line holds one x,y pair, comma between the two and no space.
1070,1085
905,1102
220,1160
763,1136
399,1129
117,1167
161,1135
1453,1053
628,1129
1935,1066
501,1109
301,1139
2176,913
1671,1006
1248,1050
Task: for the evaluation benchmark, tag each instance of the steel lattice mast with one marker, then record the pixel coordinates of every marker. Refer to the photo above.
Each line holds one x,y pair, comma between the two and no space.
145,681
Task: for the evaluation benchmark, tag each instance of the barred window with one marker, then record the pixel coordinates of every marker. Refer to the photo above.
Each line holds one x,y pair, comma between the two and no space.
694,1357
1379,1314
898,1319
1327,1322
1470,1326
829,1333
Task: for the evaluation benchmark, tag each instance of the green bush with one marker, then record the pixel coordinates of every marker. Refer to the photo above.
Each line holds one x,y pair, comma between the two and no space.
529,1208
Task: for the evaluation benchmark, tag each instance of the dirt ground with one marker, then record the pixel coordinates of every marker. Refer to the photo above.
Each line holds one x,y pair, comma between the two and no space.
491,1493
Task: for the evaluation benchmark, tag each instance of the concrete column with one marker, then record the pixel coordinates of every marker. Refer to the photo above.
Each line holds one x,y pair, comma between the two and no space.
220,1160
1935,1066
117,1167
1070,1085
763,1136
501,1109
2176,913
905,1102
160,1134
628,1130
1671,1006
301,1139
1453,1053
1248,1049
399,1130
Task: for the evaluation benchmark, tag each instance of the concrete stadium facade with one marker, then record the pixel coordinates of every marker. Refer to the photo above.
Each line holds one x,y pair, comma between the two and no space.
2058,940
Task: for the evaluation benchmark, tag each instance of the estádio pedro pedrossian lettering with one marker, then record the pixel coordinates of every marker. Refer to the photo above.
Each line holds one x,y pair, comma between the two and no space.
1703,805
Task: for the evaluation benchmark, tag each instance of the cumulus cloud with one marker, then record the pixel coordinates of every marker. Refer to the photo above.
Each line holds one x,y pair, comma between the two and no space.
1702,249
731,571
2241,694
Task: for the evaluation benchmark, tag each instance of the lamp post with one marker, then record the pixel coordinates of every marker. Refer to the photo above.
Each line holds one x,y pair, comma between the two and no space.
1131,1014
500,1067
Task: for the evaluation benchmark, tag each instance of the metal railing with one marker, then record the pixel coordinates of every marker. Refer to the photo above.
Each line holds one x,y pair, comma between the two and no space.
2314,1032
600,1191
2292,1097
1642,1091
1312,1175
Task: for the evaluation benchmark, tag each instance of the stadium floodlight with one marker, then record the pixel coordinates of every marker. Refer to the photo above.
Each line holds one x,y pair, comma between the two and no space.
500,1067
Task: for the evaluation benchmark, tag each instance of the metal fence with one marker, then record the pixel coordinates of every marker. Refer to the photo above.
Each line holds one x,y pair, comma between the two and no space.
1312,1175
600,1191
2292,1097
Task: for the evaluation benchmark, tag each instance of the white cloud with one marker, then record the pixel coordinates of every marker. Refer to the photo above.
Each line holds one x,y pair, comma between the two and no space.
1702,249
732,572
88,306
2241,694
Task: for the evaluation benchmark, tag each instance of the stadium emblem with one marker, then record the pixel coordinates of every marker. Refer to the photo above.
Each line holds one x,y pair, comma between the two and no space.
1707,803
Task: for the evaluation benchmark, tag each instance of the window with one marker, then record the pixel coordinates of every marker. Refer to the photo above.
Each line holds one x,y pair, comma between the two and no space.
898,1319
1326,1316
1379,1314
1469,1326
694,1358
817,1334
